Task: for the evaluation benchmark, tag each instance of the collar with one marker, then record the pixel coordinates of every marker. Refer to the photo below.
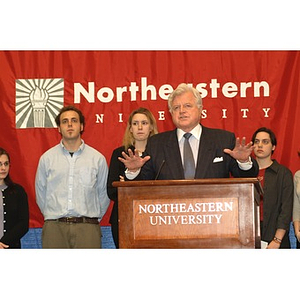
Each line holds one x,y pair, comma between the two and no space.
80,149
274,166
3,187
196,132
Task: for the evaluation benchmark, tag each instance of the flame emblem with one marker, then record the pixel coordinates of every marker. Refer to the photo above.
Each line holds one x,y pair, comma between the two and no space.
38,102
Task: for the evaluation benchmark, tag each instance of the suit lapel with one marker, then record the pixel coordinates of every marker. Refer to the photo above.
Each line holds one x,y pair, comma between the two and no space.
205,154
173,152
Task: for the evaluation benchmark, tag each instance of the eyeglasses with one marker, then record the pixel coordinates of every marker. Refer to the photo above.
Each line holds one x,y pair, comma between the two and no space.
264,141
186,106
5,164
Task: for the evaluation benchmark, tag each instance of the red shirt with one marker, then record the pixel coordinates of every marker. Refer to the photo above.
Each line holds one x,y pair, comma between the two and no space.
261,177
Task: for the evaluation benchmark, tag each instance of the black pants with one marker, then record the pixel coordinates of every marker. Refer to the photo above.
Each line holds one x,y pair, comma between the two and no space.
115,232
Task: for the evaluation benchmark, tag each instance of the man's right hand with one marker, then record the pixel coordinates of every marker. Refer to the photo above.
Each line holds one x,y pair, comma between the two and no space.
133,161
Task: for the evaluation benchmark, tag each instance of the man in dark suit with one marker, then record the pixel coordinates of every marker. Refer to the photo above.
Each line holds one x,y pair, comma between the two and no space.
216,153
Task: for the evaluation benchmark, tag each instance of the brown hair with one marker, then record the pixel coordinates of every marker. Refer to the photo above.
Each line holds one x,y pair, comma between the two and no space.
68,108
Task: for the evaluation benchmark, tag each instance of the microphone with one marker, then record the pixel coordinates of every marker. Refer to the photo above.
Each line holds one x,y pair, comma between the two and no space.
159,170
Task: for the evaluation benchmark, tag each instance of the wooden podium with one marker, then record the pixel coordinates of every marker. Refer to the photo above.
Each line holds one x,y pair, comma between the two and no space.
200,213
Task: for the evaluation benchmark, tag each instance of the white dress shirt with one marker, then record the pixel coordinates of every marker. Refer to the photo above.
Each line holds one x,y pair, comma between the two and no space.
193,140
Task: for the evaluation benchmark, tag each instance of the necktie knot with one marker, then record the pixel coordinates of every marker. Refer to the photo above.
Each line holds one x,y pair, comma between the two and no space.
187,135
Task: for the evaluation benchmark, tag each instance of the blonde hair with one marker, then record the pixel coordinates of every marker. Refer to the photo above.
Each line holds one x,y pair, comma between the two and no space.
181,89
128,139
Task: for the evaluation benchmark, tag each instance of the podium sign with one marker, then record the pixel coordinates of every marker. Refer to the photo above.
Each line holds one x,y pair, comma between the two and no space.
203,213
179,218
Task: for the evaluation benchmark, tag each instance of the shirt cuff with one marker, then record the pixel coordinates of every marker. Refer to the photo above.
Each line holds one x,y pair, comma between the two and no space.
245,166
131,175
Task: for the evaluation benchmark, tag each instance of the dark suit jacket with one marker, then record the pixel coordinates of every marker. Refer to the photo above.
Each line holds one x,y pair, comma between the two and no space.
212,161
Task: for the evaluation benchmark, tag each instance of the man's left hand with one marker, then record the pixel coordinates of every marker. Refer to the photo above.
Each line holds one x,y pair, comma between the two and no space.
241,151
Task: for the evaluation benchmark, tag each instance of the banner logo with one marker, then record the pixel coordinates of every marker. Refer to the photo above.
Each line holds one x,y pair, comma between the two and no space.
38,102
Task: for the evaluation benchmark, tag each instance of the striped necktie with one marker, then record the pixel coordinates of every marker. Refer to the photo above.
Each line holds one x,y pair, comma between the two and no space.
188,158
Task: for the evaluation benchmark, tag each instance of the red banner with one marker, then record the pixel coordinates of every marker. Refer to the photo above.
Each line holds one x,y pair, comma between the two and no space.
241,90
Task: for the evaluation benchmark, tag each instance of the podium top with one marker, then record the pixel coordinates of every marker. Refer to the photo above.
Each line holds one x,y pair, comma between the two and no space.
219,181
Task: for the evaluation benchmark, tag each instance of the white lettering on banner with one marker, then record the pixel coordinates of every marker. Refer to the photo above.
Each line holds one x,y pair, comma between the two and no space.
224,116
89,94
161,115
149,91
105,94
99,118
244,111
120,118
266,110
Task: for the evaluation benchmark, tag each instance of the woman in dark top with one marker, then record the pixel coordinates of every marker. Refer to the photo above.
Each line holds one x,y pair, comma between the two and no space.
140,126
14,213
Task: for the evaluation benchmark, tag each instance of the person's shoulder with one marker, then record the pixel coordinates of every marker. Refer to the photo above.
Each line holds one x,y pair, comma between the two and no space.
51,151
297,174
163,135
217,132
91,150
281,167
91,153
119,149
18,188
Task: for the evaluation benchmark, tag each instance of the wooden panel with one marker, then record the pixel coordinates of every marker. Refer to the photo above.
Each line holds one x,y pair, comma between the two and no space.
239,226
